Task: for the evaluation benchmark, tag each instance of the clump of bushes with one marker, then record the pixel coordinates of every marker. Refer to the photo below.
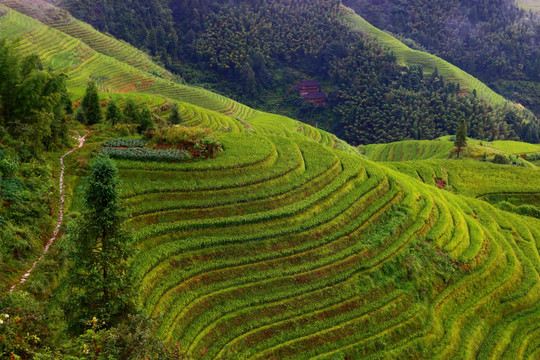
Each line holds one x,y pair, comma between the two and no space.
176,143
526,210
501,159
198,141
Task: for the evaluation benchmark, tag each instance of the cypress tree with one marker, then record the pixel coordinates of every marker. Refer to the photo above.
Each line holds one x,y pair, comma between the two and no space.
461,136
98,284
90,104
113,114
175,117
131,115
146,122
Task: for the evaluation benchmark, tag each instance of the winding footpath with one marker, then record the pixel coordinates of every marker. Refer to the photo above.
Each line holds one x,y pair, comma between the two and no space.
81,140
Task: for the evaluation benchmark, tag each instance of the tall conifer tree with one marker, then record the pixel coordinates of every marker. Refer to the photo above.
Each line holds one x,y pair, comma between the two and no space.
461,137
90,104
98,283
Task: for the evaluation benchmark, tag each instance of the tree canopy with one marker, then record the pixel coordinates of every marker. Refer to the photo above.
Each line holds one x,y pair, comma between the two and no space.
33,103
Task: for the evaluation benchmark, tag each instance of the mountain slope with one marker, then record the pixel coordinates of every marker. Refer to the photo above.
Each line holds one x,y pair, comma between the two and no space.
429,62
529,4
286,247
82,62
314,253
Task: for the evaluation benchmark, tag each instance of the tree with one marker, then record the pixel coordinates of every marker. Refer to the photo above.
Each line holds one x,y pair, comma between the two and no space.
248,75
113,113
175,117
461,137
33,102
90,104
131,114
146,122
98,283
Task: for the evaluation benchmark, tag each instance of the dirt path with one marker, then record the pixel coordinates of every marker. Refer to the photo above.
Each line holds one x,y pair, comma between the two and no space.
81,140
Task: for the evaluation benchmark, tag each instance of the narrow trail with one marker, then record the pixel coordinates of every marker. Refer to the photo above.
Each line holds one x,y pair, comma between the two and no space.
81,140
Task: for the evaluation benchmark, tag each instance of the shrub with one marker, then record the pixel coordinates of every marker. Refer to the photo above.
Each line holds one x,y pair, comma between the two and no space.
125,129
179,135
23,327
197,140
533,157
123,142
501,159
142,154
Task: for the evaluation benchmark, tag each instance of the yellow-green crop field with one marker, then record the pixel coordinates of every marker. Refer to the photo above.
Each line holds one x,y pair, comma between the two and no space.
290,245
515,147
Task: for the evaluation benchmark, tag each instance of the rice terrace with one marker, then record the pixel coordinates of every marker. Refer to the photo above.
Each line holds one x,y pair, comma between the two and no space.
257,236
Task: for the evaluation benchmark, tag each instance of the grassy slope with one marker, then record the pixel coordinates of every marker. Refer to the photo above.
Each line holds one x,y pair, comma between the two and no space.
515,147
430,160
529,4
80,61
288,260
284,247
441,148
408,56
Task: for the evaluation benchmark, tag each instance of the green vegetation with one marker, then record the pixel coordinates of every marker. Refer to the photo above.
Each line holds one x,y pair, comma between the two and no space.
221,287
408,150
461,137
429,62
279,242
495,41
228,46
98,284
515,147
80,61
90,112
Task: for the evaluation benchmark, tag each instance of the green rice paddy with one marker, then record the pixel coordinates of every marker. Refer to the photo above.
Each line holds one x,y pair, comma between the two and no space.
289,245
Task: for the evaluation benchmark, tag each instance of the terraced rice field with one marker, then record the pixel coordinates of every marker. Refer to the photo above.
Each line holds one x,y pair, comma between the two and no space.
408,150
515,147
92,55
473,178
429,62
282,248
291,246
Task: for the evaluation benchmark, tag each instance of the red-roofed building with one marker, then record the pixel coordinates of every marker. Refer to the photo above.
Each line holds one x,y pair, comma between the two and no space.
310,90
307,86
317,97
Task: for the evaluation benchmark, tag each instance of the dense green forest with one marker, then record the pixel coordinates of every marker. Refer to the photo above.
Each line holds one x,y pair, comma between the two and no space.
495,41
34,110
255,51
145,24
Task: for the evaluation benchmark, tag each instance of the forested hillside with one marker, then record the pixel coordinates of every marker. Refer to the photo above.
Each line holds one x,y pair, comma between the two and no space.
255,52
34,111
496,41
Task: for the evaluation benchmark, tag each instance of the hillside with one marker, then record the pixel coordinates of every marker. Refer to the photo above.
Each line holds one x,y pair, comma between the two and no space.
429,62
289,244
529,4
226,289
495,41
255,52
83,53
